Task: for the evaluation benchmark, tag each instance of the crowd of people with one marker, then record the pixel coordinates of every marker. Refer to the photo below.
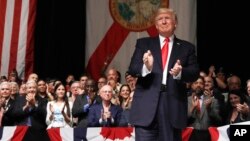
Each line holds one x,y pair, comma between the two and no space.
54,103
213,100
216,99
163,93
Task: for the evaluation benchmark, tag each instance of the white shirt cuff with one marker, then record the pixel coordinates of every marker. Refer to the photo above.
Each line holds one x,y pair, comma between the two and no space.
145,70
178,77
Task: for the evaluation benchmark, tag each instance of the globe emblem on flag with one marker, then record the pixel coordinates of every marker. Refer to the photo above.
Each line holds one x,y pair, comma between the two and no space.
134,15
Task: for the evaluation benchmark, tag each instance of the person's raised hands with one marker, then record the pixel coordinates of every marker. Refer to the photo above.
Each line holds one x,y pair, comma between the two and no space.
176,69
148,60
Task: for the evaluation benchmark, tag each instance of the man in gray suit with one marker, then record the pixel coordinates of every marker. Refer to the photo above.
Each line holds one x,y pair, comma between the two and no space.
203,111
159,107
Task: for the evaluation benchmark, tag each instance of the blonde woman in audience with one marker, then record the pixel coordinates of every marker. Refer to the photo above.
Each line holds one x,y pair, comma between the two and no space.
59,110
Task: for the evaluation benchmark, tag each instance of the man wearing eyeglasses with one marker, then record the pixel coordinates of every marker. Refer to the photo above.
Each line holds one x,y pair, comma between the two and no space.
104,114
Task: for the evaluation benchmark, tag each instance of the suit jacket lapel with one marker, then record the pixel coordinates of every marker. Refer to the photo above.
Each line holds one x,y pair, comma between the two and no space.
84,98
156,50
174,53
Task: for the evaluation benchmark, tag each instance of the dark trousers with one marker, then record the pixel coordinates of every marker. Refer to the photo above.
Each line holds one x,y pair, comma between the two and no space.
161,128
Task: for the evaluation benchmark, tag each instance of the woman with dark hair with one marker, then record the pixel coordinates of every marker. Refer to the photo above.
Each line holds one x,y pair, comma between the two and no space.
3,78
237,107
125,103
59,110
13,77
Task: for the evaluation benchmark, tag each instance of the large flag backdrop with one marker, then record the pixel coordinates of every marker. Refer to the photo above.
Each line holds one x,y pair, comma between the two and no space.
112,33
17,20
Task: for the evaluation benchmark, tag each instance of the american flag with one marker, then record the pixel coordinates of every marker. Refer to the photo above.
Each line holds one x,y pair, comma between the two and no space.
17,23
17,133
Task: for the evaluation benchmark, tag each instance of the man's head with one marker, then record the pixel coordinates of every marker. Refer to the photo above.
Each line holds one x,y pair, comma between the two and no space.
101,82
112,74
208,83
31,87
198,86
130,80
75,88
33,77
165,21
106,93
90,86
234,83
83,80
5,89
41,86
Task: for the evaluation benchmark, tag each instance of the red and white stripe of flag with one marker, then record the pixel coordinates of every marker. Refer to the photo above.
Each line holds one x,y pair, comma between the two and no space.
17,22
13,133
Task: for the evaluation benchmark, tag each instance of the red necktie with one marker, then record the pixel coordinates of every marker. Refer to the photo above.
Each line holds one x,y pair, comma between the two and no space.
164,52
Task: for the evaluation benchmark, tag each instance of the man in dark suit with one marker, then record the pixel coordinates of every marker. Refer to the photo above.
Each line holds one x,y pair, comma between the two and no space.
6,105
83,102
104,114
159,107
30,110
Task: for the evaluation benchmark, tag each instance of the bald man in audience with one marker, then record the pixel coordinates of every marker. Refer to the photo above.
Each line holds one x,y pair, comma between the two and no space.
104,114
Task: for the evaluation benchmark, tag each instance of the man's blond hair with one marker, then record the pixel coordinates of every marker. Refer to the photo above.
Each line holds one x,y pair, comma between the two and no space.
165,10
